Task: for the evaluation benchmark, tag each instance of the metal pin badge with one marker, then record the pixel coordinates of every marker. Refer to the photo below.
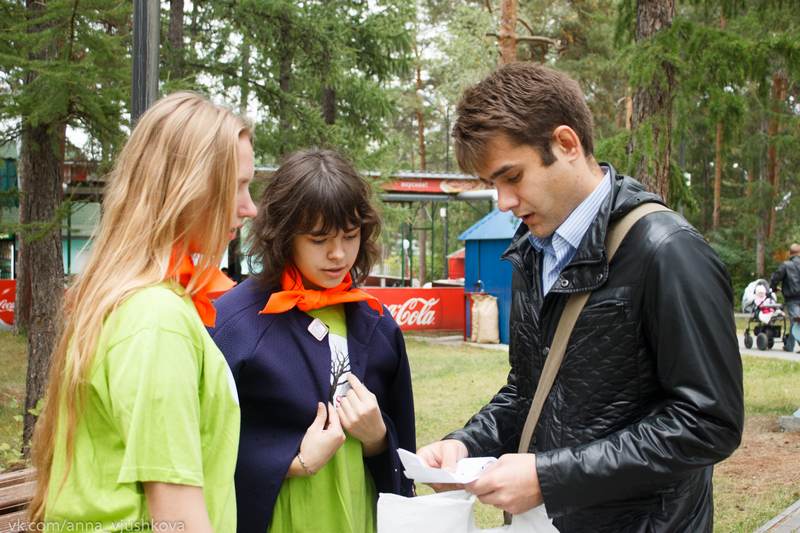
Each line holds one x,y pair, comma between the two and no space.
318,329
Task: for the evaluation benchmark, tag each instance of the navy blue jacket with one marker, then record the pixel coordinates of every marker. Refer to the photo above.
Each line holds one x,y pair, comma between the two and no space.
282,372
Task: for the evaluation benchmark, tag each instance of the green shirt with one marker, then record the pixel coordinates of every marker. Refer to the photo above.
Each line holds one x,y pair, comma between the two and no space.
341,496
160,406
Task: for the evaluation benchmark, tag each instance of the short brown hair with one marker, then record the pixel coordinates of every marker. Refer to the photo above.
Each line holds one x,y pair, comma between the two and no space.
312,186
524,101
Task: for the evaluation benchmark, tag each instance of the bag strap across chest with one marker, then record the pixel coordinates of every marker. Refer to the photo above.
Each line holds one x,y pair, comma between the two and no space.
566,323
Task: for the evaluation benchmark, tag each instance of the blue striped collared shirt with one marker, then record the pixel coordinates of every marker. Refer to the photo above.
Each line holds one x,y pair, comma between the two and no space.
559,248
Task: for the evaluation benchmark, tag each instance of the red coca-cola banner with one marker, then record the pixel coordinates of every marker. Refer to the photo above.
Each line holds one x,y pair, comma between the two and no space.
416,308
8,293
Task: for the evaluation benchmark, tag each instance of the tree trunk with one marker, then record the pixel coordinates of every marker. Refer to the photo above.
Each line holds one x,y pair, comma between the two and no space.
706,192
652,105
419,113
718,162
761,250
628,109
234,247
763,214
423,246
175,39
244,85
779,84
329,105
284,81
40,180
423,166
22,303
717,178
40,163
508,31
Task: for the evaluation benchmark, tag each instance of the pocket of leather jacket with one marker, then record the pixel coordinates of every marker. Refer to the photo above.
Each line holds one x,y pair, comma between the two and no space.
612,308
655,501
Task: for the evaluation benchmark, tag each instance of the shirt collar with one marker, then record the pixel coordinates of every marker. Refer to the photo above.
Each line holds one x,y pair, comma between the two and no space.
576,224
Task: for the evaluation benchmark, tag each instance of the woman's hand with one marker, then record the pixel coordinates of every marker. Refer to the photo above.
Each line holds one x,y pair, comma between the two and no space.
319,444
361,417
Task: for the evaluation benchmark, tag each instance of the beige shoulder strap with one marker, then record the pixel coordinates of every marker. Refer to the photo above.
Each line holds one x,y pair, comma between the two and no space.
567,321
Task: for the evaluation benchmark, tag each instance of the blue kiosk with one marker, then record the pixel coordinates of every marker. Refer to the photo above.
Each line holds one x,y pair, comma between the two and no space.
484,271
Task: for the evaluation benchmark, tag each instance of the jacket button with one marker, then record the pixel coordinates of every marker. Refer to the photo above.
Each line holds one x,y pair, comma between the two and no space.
599,276
545,350
564,283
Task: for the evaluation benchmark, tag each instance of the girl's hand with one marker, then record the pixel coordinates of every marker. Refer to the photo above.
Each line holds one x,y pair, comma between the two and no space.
361,417
319,443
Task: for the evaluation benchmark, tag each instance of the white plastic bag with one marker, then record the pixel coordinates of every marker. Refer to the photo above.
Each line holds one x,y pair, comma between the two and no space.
449,512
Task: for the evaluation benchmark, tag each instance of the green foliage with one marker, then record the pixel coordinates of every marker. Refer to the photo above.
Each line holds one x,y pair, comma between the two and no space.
613,149
296,54
467,54
66,63
280,60
725,77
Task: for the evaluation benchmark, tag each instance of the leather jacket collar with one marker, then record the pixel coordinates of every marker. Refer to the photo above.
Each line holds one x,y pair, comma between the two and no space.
588,269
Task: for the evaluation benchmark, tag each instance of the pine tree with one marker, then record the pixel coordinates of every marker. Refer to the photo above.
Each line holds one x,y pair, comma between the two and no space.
318,70
652,102
65,65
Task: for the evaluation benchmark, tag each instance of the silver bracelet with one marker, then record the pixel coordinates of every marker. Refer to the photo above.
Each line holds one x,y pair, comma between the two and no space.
303,465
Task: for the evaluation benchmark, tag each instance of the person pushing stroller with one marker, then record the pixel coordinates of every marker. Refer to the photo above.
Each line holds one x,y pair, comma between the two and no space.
767,318
787,280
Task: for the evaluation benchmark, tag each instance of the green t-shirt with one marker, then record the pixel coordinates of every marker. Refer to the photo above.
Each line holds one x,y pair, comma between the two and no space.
161,406
341,496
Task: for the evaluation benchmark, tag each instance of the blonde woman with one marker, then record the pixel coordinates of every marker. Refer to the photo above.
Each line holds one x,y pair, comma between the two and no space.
141,422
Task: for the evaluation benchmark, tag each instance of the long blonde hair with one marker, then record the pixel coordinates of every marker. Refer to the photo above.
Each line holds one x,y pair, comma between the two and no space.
174,184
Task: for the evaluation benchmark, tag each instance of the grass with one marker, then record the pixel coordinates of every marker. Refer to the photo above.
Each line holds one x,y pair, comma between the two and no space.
450,385
741,324
772,386
453,382
747,512
13,365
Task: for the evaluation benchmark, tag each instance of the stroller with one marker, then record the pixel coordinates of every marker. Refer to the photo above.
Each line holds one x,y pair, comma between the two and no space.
767,319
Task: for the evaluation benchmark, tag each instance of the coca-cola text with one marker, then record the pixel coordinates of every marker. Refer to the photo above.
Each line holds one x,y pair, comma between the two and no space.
414,312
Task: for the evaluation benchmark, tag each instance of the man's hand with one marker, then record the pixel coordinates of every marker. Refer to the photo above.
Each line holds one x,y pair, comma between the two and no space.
510,484
444,454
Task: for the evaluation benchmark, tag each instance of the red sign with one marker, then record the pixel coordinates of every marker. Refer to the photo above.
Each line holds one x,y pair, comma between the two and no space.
434,186
8,293
415,308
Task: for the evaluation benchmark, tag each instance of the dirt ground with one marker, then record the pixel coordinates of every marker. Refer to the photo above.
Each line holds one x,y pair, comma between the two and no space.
767,461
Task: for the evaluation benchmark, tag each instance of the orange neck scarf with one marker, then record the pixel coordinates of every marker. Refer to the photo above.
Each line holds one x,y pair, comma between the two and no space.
218,283
294,294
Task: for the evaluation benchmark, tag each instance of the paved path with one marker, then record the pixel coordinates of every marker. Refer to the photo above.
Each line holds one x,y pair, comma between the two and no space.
776,352
786,522
457,340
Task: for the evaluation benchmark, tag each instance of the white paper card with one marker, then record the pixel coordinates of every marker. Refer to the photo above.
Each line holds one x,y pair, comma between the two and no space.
467,470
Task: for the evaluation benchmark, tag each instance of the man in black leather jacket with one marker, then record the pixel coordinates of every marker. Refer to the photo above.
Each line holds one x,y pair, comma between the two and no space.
788,278
649,395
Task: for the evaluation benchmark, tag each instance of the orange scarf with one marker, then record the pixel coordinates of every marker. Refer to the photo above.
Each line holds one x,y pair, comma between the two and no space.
218,284
294,294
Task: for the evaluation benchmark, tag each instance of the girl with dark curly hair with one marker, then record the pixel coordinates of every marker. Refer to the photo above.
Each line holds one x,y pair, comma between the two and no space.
320,365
